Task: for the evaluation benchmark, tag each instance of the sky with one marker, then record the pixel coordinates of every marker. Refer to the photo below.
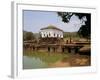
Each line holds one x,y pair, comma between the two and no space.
35,20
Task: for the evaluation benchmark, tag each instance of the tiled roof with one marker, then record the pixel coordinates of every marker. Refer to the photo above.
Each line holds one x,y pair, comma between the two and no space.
51,27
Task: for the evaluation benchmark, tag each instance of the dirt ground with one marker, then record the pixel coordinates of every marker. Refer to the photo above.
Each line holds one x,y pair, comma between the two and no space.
73,61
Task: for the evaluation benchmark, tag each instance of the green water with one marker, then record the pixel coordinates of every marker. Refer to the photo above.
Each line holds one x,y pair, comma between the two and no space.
32,63
35,60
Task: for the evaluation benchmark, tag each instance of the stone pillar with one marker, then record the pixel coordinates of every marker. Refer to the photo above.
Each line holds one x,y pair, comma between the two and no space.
48,49
69,50
63,50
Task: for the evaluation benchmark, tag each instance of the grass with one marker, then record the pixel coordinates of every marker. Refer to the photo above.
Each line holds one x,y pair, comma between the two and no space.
59,59
47,57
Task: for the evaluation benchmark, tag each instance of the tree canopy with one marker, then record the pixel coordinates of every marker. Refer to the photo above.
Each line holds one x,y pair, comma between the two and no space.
85,30
28,35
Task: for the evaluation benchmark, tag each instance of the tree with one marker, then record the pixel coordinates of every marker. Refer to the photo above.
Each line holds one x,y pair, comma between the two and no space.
28,35
85,30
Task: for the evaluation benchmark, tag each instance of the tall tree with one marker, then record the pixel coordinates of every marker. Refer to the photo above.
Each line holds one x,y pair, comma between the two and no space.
85,30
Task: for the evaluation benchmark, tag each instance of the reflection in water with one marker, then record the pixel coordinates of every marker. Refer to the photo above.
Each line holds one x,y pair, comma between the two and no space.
44,60
32,63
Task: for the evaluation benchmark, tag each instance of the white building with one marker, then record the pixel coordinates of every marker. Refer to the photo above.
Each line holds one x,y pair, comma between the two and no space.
51,32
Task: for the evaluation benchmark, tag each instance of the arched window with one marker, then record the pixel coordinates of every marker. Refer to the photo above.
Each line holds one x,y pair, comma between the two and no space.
54,34
49,34
57,35
44,35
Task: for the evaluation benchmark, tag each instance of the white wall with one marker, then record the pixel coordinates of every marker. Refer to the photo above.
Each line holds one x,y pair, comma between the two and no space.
50,33
5,39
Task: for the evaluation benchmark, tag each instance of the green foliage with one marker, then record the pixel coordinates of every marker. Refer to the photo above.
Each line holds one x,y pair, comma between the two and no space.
65,16
28,35
46,56
70,34
84,31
